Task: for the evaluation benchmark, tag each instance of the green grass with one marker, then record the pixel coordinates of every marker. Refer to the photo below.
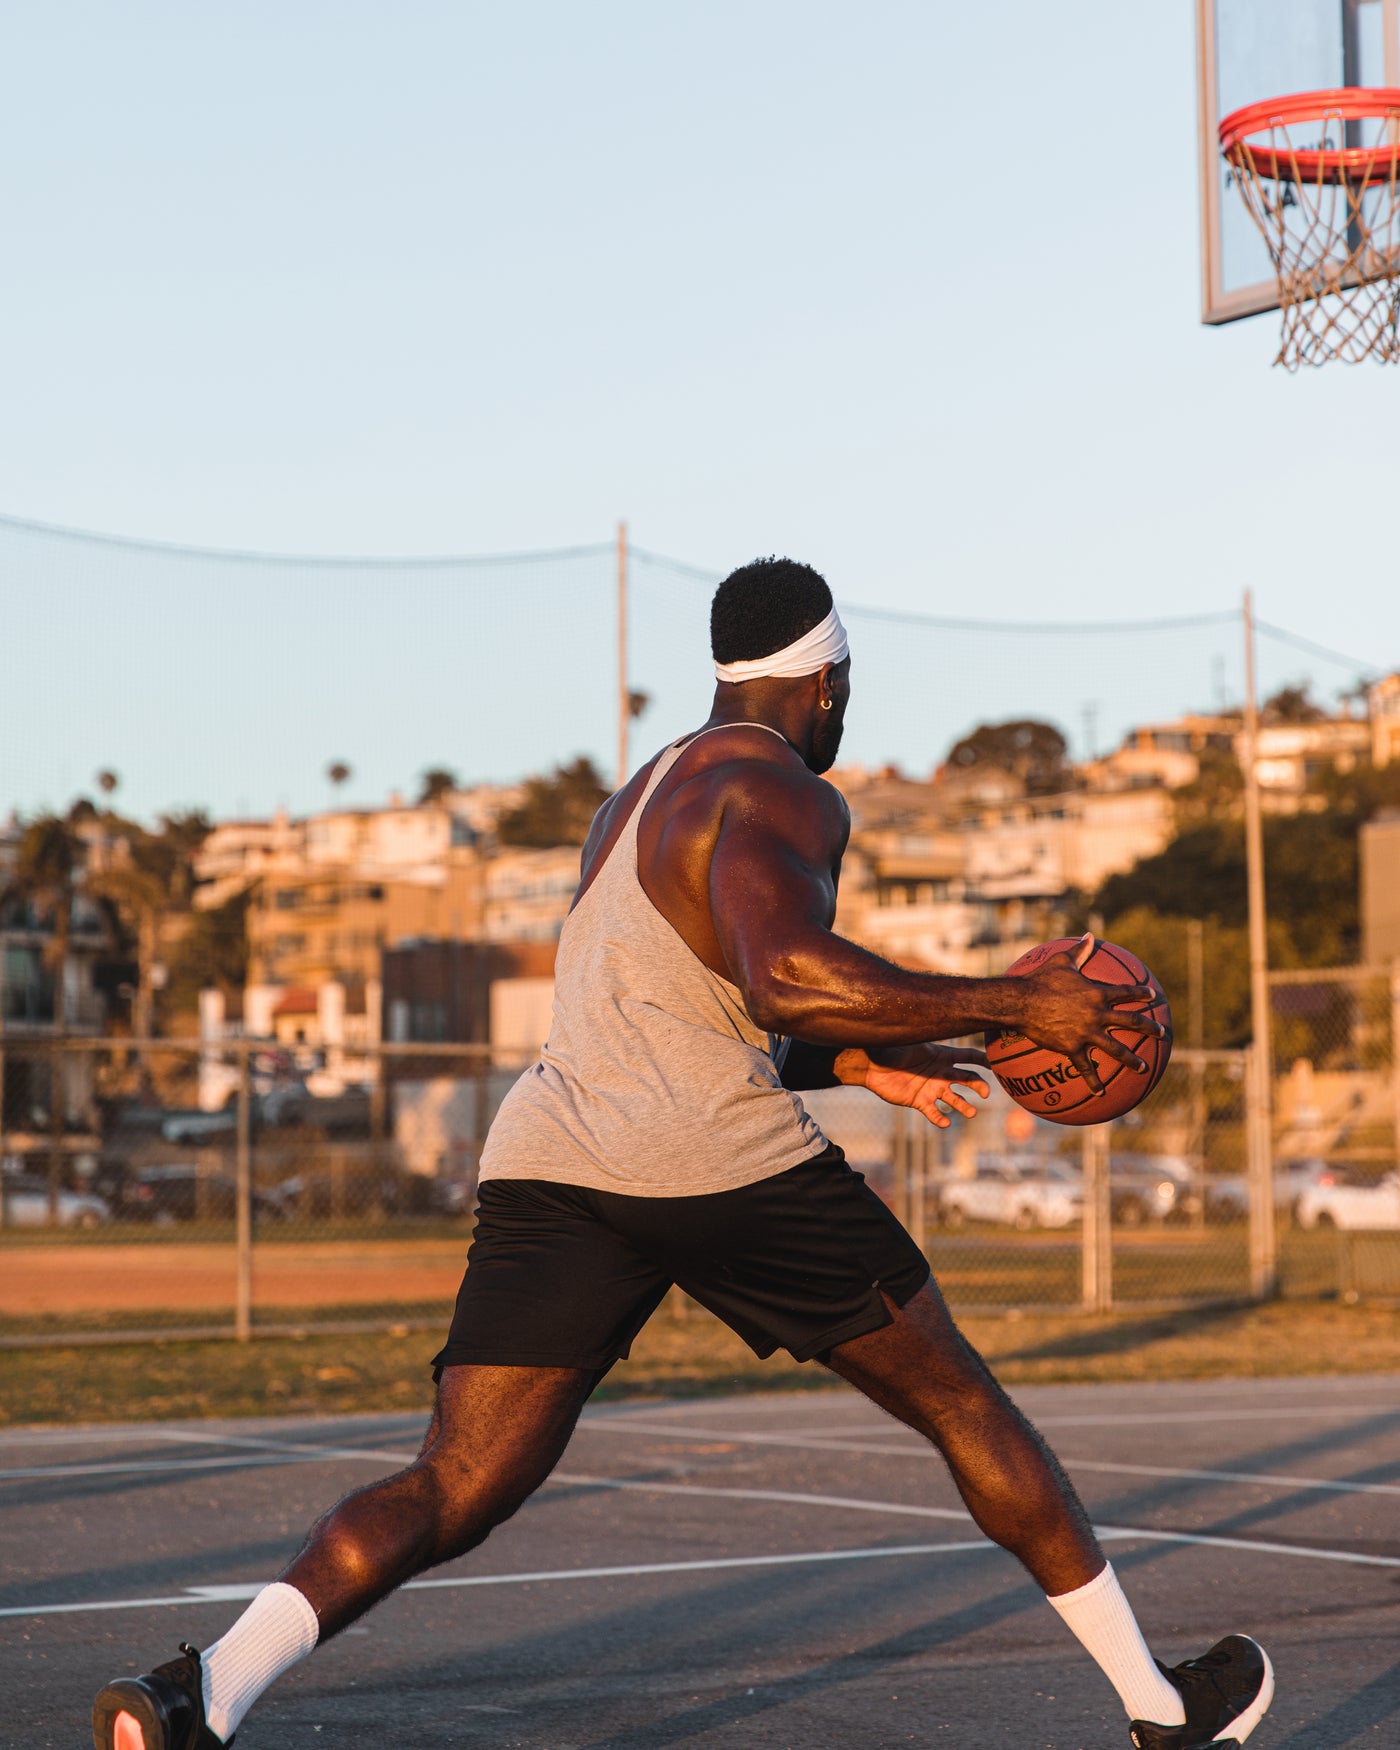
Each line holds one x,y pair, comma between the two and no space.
322,1374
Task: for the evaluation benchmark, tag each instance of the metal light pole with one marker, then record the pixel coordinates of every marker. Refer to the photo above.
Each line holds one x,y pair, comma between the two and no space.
1096,1240
243,1194
1263,1239
624,702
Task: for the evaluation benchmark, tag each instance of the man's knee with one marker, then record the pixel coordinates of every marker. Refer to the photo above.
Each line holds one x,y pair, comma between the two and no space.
469,1501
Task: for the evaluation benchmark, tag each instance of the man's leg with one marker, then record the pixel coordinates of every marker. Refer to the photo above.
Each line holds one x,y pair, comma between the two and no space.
495,1435
924,1371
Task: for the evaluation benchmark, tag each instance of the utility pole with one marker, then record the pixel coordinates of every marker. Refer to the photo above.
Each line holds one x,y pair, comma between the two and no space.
1263,1243
1196,980
624,699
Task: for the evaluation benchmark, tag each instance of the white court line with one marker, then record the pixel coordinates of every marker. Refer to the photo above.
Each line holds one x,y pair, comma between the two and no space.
623,1417
136,1467
818,1443
1231,1476
1117,1533
791,1495
233,1594
267,1451
1098,1419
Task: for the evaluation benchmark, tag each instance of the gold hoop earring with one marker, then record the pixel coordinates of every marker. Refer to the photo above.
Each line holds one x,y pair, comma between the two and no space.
826,704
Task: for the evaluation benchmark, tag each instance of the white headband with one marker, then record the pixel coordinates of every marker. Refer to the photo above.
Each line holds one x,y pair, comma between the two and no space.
813,650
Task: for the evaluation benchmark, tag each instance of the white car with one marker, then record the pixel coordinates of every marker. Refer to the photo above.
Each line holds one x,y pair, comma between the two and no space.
1016,1192
1227,1195
1351,1206
26,1204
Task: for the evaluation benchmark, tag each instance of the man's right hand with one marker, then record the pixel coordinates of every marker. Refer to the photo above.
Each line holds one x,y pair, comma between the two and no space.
1072,1014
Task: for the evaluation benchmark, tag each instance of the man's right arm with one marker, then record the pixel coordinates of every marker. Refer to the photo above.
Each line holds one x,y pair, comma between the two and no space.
772,896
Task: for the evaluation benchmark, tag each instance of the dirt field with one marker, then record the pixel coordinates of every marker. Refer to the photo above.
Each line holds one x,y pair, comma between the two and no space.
40,1281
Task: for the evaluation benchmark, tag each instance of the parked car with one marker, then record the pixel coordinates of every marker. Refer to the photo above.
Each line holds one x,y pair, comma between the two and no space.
183,1191
1354,1205
1016,1192
1227,1197
453,1194
1148,1187
344,1115
26,1199
201,1127
355,1191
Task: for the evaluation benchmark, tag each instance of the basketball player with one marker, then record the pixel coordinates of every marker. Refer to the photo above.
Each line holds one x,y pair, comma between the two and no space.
659,1139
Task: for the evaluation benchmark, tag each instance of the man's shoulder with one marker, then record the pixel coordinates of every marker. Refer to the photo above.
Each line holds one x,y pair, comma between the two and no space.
778,775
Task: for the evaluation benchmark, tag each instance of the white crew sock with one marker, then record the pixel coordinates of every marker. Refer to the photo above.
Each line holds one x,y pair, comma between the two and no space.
278,1628
1102,1620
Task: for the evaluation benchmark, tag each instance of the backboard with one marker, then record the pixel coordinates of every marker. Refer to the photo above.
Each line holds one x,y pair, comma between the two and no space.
1251,50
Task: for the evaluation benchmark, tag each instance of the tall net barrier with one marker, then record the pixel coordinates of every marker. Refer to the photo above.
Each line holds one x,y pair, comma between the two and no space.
146,1209
234,682
259,1140
923,679
1336,1123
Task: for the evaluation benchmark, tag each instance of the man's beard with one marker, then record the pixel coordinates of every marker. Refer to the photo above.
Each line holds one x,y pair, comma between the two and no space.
826,739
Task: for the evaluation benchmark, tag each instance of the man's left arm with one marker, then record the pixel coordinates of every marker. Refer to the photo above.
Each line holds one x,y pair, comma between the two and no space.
924,1077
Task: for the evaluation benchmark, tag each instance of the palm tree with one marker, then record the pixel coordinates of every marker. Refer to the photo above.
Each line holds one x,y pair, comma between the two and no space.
437,782
338,773
107,781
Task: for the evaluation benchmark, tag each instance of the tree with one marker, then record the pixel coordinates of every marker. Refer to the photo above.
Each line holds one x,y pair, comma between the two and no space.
1311,874
144,877
212,951
437,782
1160,941
1294,704
1030,750
42,885
557,810
1215,793
339,773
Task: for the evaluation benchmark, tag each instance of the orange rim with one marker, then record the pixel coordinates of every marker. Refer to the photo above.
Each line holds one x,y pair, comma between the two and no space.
1354,164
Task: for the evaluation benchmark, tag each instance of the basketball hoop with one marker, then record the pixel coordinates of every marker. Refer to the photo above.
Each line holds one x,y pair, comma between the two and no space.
1320,175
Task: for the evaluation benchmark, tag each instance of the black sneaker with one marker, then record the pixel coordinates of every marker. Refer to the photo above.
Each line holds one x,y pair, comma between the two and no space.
164,1710
1226,1693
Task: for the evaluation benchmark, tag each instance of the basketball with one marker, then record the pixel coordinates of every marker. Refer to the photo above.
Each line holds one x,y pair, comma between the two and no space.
1047,1083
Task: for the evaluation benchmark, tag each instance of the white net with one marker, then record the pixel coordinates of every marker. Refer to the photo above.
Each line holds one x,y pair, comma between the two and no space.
1329,211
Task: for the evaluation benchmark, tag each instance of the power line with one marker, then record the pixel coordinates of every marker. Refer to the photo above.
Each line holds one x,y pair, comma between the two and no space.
309,561
599,549
1311,649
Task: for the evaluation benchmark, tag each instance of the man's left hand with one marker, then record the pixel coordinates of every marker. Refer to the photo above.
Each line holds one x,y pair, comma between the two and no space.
926,1077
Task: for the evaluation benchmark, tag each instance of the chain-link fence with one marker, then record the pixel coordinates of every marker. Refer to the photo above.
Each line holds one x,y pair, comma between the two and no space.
1336,1127
245,1188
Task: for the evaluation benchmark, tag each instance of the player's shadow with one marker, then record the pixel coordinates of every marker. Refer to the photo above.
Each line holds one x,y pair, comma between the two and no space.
1366,1711
831,1672
1119,1339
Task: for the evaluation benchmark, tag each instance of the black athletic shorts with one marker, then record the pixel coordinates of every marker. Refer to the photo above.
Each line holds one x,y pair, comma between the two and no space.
562,1276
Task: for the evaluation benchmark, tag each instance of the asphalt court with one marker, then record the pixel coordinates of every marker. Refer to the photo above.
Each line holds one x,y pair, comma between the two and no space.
781,1570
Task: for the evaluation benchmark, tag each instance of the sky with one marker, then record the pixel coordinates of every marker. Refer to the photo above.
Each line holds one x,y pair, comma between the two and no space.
464,279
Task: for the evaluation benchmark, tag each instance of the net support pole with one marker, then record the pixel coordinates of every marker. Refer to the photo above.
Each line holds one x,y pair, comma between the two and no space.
1196,961
624,698
2,1089
1097,1259
1394,1051
243,1200
899,1161
1263,1239
918,1175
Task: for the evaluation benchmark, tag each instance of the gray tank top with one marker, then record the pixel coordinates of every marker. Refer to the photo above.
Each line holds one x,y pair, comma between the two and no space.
654,1082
